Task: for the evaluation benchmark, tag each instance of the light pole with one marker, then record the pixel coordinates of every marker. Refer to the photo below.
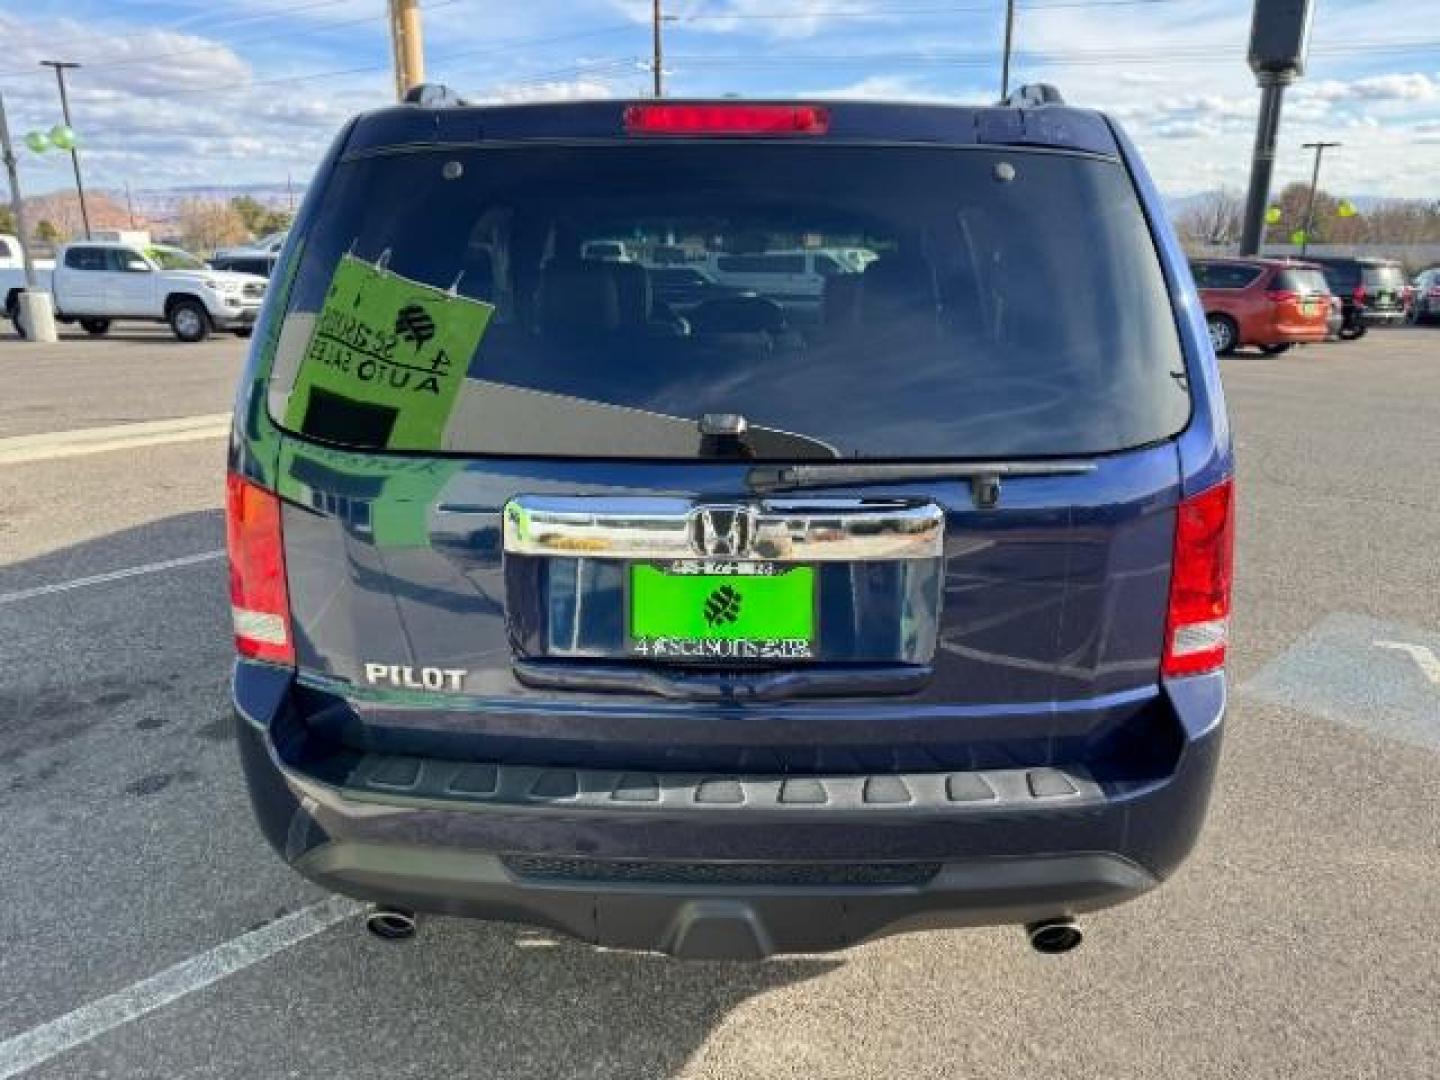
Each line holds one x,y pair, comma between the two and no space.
60,66
1319,148
1279,38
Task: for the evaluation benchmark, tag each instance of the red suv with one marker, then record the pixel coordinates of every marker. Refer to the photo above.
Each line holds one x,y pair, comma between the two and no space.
1272,303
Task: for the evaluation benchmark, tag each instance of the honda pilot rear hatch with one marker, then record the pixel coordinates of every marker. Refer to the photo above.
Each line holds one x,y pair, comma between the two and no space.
859,513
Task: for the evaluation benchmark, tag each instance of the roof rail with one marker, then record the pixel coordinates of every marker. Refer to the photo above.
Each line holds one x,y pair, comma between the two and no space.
433,96
1032,94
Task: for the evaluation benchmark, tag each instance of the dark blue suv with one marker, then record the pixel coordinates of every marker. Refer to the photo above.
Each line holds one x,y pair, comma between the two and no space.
885,586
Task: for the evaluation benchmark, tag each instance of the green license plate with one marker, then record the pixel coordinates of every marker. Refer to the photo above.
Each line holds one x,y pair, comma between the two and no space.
721,611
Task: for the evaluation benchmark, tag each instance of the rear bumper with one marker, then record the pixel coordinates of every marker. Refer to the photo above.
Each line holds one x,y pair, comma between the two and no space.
1372,317
737,866
1281,331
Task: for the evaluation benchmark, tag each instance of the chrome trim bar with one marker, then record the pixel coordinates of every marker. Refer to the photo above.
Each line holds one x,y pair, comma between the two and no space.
831,530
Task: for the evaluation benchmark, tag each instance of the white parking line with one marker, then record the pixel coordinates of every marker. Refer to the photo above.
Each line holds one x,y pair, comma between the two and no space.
113,575
22,449
1423,655
40,1044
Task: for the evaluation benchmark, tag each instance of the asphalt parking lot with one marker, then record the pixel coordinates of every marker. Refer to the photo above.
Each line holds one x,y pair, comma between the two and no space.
1299,941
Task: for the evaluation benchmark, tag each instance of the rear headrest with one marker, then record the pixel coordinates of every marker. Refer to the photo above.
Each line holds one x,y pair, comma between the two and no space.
841,299
632,283
477,277
578,297
898,282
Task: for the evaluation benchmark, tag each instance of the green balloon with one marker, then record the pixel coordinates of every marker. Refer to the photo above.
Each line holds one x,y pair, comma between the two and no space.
1297,237
62,137
1272,215
1346,208
37,141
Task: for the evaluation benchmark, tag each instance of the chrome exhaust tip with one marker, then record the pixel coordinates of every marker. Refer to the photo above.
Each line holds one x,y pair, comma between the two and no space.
1054,936
391,924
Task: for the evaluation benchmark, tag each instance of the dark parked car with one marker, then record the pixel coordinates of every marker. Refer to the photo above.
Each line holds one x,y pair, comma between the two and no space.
1371,291
728,638
1425,304
686,286
263,265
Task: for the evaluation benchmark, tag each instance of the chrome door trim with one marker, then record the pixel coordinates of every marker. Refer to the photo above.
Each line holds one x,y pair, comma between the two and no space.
830,530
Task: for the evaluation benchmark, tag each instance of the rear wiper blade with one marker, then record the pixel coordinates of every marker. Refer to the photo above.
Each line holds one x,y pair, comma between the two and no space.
984,476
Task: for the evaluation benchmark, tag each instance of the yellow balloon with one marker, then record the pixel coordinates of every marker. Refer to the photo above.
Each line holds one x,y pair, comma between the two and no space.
1272,215
1346,208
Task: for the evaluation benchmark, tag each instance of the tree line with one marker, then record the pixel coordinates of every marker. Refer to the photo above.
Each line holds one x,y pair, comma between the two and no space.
201,225
1215,220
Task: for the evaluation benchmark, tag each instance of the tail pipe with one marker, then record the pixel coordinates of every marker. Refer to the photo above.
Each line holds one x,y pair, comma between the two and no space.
1053,936
390,923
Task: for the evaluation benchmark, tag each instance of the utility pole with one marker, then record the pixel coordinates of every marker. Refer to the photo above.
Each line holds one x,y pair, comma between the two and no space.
408,45
1005,62
129,204
35,310
657,48
1319,148
60,66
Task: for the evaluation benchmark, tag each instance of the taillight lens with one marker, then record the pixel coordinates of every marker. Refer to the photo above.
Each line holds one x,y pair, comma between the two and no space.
727,120
259,603
1277,295
1359,294
1198,628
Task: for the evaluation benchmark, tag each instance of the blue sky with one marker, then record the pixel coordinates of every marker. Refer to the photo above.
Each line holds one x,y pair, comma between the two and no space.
191,92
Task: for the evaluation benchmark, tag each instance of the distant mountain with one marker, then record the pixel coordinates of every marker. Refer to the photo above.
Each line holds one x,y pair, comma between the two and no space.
162,205
62,210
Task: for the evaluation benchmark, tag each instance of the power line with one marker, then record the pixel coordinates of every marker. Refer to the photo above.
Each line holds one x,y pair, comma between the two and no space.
894,13
493,49
210,24
1076,59
147,58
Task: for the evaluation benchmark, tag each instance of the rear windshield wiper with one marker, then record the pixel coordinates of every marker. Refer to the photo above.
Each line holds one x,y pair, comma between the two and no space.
984,476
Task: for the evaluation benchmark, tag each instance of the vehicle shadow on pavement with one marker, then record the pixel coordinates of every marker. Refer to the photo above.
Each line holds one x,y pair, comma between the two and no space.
175,537
513,1002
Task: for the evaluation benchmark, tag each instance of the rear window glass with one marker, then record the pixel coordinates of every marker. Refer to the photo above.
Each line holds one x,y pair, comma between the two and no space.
1013,306
1225,275
1384,277
1300,280
1342,276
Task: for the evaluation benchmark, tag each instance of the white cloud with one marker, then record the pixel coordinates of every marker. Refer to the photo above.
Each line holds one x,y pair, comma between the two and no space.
1412,86
581,89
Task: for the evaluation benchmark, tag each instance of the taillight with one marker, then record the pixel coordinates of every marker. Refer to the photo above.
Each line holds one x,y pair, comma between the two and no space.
1198,628
759,119
259,603
1280,295
1359,294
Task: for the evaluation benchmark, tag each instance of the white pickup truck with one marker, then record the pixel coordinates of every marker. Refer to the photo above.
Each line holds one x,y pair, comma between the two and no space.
96,282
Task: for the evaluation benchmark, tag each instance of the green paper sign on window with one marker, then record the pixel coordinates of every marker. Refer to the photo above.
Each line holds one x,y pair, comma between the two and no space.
386,360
